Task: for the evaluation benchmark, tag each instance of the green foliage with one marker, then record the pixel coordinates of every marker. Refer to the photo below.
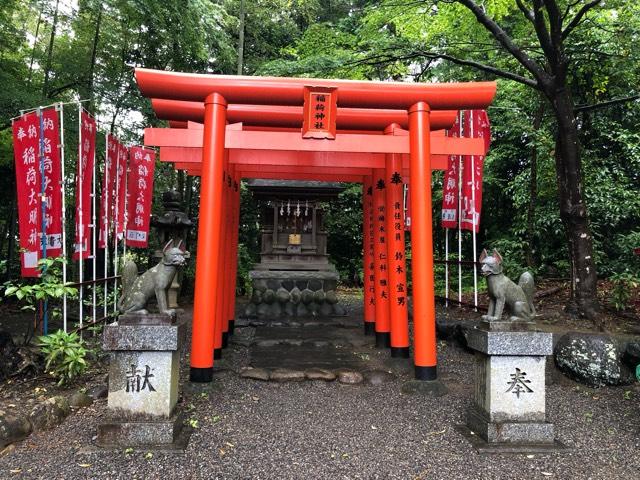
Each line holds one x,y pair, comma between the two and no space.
623,286
46,290
48,287
64,355
343,222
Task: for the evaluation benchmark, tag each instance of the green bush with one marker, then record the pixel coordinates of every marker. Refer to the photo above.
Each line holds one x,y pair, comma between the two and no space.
64,354
623,285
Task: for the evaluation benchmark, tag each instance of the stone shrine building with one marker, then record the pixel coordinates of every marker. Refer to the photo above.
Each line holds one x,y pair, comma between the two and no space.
294,277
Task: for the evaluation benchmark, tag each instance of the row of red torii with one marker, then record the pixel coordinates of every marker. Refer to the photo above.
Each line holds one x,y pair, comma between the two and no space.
225,128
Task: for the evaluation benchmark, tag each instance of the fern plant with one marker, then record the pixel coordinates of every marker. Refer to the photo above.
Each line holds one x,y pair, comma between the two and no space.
64,355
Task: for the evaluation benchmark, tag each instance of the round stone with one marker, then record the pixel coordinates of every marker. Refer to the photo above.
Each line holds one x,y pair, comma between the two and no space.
325,309
255,374
13,429
269,296
273,284
260,284
339,310
307,296
288,284
49,413
256,297
275,310
320,374
331,297
593,359
319,296
302,284
302,310
315,284
98,391
80,399
349,377
296,295
289,309
287,375
250,310
283,295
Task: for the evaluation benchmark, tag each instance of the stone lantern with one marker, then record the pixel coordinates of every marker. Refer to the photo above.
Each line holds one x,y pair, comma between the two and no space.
173,225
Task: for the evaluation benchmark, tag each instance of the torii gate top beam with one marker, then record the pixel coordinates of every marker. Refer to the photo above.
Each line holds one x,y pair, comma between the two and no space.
290,91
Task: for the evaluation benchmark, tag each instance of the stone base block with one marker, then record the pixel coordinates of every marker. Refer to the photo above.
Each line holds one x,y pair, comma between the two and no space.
147,319
140,433
483,447
510,432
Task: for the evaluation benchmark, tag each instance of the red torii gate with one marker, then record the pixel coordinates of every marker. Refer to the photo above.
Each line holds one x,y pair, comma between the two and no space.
386,133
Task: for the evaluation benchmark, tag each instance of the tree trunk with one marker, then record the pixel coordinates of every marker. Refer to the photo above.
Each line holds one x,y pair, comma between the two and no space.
33,50
583,300
241,38
533,190
47,68
94,52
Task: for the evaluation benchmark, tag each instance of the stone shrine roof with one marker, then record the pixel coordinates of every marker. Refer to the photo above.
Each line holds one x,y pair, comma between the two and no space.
290,189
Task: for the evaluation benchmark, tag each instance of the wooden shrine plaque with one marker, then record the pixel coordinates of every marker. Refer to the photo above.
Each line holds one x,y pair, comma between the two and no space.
319,112
294,239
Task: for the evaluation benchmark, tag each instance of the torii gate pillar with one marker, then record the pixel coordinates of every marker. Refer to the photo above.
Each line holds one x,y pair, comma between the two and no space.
209,225
424,308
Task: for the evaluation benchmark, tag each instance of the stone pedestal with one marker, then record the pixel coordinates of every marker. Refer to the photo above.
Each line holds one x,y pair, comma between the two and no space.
143,381
509,397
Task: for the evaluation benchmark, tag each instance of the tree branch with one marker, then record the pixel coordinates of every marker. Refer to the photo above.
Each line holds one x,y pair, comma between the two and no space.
377,59
542,32
608,103
575,21
525,11
487,68
505,40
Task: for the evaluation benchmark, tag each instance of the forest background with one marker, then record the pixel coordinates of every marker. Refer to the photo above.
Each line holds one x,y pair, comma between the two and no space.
66,50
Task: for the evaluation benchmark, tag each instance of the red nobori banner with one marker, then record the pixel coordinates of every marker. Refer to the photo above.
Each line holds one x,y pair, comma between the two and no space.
449,217
107,199
121,189
139,193
52,178
26,148
84,178
476,125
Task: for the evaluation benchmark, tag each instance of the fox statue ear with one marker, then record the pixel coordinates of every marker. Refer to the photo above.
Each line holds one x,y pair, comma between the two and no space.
497,256
167,246
181,246
483,255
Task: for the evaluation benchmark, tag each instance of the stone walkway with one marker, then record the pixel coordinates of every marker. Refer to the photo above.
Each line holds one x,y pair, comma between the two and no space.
249,429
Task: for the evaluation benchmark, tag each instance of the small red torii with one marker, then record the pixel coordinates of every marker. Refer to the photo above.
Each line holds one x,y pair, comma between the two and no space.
225,128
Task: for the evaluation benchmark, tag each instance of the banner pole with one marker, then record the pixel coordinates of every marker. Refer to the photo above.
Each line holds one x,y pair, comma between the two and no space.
93,236
446,267
43,213
473,218
125,215
79,220
460,165
64,219
115,231
105,220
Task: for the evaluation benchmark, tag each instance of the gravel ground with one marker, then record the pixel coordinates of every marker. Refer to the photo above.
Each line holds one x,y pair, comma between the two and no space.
248,429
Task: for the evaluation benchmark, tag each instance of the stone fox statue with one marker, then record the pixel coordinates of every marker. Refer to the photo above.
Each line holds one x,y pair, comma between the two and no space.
137,290
518,299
